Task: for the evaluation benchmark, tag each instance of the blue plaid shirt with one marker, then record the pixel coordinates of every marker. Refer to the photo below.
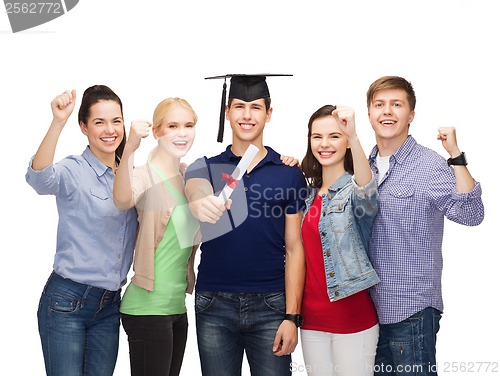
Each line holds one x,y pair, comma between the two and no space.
416,194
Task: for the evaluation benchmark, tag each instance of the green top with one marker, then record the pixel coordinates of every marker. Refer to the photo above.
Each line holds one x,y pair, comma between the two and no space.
170,264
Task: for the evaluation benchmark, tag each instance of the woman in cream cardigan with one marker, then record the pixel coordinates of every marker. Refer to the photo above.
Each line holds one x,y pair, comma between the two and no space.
153,309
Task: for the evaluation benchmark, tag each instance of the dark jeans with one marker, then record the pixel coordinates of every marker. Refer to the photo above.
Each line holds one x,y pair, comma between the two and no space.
229,324
79,328
156,343
409,347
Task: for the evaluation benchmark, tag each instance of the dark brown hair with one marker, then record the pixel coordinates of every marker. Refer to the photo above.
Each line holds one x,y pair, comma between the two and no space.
312,169
267,102
95,94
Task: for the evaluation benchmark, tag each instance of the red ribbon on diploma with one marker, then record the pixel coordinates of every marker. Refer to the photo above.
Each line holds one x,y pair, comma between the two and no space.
231,182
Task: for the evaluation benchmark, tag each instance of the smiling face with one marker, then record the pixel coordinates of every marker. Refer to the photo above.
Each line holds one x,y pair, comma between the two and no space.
176,132
390,115
248,119
328,143
104,129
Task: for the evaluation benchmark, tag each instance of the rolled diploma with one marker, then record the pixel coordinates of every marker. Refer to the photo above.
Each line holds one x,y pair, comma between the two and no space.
238,172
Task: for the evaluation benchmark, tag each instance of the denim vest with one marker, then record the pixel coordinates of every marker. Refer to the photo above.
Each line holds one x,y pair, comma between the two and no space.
345,225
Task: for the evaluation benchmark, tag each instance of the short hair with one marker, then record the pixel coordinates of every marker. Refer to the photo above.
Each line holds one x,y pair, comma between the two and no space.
392,82
267,102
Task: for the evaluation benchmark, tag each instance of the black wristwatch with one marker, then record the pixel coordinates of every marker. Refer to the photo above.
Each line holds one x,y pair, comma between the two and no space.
458,161
297,319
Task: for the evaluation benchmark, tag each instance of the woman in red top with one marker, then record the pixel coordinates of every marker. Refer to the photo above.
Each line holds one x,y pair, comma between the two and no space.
340,331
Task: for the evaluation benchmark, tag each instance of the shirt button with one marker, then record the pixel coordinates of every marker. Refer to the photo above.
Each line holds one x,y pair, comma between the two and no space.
328,253
332,274
324,213
336,293
246,189
323,233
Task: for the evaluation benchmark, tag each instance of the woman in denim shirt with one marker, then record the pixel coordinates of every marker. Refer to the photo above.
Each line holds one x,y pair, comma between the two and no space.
78,312
340,331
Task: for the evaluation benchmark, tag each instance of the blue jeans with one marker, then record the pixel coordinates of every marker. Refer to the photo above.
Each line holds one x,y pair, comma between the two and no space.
409,347
79,327
228,324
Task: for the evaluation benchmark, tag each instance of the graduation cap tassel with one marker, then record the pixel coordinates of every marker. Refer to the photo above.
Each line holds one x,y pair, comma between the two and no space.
222,113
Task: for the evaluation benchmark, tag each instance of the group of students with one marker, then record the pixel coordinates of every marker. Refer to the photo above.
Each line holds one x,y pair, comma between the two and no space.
346,248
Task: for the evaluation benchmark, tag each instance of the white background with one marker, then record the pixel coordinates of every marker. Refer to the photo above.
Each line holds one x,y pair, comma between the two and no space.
149,50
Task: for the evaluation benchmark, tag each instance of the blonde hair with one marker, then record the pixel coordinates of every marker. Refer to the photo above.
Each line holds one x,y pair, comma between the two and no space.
162,109
166,105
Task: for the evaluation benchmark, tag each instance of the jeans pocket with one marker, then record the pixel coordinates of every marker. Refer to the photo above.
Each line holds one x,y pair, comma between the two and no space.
406,340
276,301
62,304
203,300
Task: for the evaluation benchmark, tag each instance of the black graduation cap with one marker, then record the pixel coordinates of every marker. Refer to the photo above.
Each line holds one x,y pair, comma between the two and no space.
247,87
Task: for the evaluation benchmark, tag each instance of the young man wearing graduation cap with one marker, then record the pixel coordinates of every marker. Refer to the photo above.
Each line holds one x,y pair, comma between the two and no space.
251,274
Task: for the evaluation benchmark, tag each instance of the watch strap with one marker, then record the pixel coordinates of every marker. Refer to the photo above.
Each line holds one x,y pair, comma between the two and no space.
296,318
458,161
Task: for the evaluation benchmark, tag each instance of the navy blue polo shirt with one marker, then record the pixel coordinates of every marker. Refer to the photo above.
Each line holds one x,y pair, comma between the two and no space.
245,250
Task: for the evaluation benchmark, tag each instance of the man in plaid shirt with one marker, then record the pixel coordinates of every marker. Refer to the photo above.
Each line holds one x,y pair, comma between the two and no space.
418,188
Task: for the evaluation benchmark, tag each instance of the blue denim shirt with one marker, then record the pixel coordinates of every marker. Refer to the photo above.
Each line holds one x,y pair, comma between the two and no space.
95,240
345,225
